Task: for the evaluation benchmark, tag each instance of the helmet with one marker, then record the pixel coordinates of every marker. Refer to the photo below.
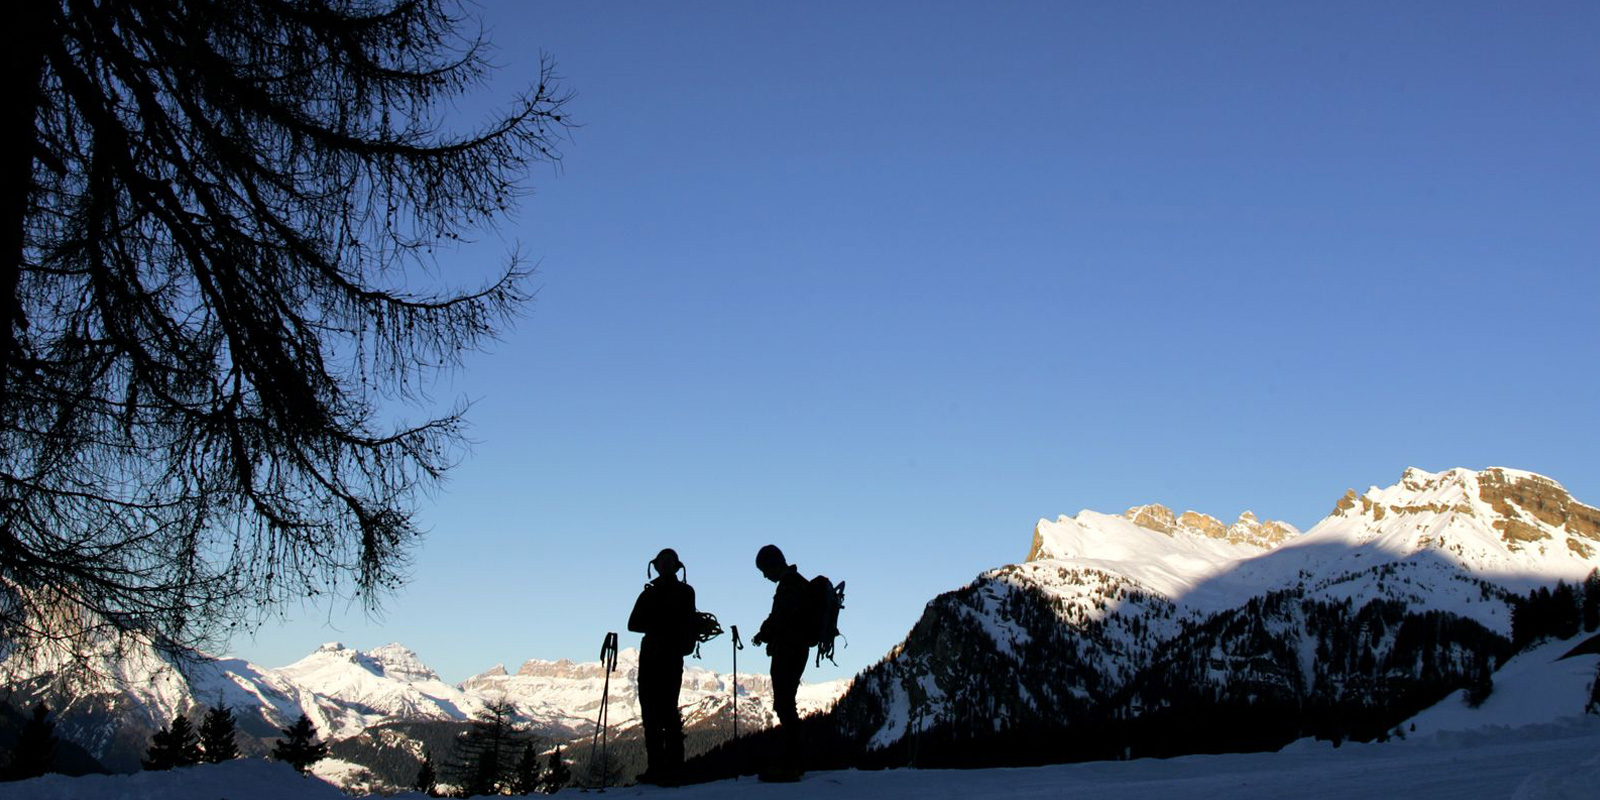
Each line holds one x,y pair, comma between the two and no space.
769,558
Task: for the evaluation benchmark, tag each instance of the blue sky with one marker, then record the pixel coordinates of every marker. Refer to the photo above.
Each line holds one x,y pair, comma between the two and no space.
886,283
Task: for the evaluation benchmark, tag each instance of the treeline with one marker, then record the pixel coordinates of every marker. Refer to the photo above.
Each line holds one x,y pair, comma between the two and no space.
1243,680
1283,667
496,755
1559,613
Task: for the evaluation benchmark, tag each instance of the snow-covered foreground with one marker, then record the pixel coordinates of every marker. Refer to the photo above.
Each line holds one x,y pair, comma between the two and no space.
1545,761
1552,762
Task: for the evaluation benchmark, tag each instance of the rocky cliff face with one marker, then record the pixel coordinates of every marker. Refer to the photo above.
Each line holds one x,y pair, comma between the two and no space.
1515,497
1157,518
1494,520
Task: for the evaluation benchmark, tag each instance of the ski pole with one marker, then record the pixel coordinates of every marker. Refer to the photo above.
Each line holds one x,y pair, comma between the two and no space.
608,662
737,646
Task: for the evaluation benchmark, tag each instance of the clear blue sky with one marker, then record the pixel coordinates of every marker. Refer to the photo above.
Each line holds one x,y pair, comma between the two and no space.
886,283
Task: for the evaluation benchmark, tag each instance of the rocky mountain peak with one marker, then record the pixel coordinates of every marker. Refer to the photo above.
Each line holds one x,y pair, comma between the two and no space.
1203,524
1154,516
1247,530
1525,509
1263,533
398,661
1520,500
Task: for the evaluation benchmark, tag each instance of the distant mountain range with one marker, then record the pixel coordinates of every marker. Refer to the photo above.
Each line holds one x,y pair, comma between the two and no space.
112,707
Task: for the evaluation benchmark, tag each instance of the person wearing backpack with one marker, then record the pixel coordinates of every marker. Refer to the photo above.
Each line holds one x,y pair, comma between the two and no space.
788,639
666,615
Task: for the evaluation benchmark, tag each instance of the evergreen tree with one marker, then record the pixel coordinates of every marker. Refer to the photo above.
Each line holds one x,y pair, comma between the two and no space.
485,758
528,775
36,747
427,779
1591,601
558,775
1594,693
175,746
217,742
299,747
1565,613
1481,686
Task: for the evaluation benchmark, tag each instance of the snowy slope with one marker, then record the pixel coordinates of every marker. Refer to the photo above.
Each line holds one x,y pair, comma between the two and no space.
1511,528
1430,540
1182,559
1553,762
1537,686
1101,595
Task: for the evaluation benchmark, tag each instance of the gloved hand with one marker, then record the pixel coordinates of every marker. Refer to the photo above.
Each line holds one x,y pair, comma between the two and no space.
757,640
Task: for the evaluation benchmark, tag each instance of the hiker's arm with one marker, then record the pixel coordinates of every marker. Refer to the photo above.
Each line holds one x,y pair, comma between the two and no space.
640,621
764,634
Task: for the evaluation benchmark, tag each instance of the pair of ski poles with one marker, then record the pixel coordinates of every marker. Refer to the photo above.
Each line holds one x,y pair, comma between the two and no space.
608,663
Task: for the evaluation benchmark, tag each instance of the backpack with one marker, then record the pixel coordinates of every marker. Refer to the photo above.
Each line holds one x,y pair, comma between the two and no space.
703,627
822,616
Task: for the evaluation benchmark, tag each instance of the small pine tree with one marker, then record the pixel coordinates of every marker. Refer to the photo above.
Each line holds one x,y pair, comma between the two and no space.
217,742
1565,614
1594,693
1481,683
299,748
427,778
529,774
558,775
1591,601
35,753
485,757
175,746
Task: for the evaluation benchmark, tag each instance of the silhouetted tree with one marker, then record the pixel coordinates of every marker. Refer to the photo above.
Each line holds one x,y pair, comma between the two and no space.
1565,610
528,775
427,779
485,758
214,230
217,743
1594,694
1591,601
1482,682
35,752
299,747
558,775
175,746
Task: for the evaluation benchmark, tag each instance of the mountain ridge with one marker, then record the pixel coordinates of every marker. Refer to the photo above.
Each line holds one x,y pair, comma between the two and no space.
1106,595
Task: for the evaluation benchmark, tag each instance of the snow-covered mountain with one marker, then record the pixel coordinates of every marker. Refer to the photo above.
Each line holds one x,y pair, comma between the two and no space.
1108,607
565,696
129,691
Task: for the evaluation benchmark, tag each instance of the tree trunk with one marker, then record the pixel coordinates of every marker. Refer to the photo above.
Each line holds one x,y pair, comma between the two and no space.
23,36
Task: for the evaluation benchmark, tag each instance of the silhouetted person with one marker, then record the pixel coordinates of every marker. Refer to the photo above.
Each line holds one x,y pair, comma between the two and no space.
788,641
665,614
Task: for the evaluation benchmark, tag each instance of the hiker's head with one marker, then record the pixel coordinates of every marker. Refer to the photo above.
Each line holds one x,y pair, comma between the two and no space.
666,563
769,560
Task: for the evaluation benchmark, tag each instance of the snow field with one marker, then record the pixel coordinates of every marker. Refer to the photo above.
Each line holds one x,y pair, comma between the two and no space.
1543,762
